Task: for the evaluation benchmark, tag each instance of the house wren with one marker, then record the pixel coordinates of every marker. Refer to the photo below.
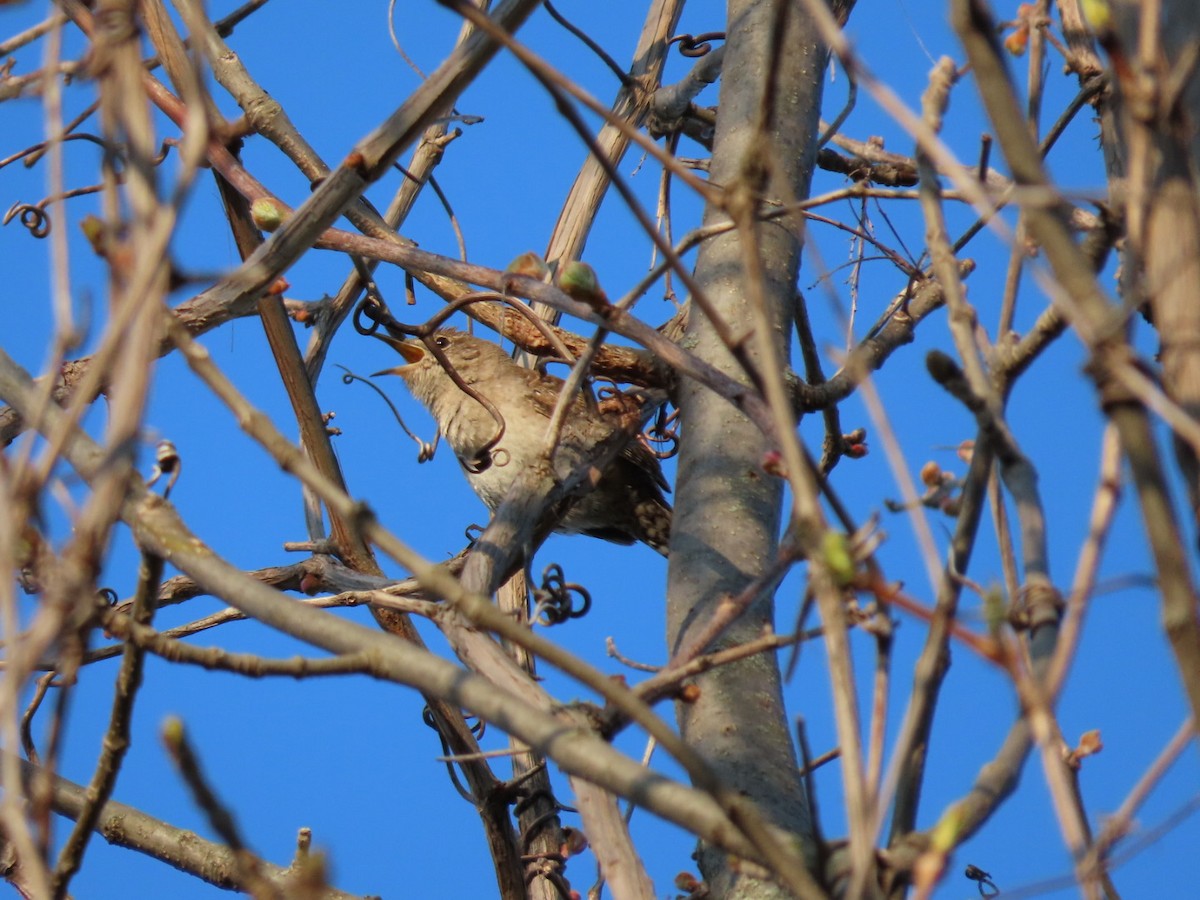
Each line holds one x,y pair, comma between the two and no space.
627,503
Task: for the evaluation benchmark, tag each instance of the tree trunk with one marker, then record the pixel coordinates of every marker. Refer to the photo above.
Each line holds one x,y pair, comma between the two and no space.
727,510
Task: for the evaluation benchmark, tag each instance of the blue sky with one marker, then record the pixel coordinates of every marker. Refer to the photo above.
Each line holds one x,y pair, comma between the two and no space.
347,756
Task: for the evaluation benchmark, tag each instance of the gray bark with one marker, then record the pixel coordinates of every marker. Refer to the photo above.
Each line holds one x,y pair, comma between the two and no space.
727,510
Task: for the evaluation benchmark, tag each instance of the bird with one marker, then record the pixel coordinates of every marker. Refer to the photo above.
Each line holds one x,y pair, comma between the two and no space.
627,504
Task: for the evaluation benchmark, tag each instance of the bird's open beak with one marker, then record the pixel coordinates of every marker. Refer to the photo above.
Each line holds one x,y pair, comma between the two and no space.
412,351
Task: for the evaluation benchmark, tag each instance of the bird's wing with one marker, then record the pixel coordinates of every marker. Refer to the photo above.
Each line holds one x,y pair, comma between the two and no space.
635,451
544,391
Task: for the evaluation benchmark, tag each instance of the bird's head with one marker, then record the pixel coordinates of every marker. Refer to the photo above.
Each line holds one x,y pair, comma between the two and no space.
471,358
414,352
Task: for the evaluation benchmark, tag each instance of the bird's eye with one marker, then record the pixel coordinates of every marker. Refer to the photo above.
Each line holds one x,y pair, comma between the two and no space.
442,342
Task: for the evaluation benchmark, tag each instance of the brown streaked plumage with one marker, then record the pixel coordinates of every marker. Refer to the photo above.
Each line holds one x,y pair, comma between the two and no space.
627,505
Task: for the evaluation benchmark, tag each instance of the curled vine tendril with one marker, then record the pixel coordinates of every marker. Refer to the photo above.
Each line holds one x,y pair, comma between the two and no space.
425,449
477,726
697,45
554,599
987,887
33,217
663,435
